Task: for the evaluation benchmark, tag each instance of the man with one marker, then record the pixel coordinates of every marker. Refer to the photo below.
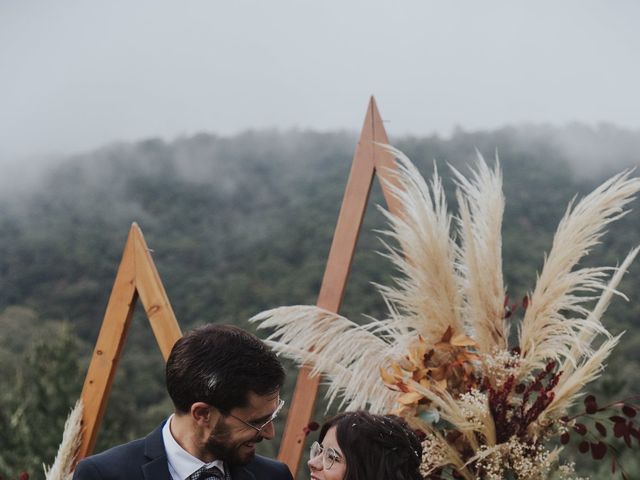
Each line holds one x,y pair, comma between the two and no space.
225,386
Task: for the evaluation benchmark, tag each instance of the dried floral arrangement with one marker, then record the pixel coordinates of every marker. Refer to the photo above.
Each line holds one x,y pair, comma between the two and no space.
442,359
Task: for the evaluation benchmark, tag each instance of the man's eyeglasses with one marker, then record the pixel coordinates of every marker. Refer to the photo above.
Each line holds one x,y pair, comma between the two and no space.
260,428
329,455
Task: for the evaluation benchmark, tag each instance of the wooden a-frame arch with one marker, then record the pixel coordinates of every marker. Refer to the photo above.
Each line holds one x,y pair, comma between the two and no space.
369,159
137,276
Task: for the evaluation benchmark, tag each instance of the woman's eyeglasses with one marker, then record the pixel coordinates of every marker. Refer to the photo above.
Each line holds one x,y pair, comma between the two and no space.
329,455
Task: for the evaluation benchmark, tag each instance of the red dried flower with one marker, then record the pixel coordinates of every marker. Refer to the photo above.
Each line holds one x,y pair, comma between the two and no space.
598,450
601,429
580,428
590,404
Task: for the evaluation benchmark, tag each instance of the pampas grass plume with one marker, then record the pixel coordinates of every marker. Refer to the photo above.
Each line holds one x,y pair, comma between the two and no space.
62,468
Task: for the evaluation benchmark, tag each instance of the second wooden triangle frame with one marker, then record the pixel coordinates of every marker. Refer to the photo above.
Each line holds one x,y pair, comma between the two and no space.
137,276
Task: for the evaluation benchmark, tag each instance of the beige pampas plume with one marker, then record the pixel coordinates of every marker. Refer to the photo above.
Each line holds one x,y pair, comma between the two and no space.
557,325
62,468
426,296
580,368
481,204
348,354
569,389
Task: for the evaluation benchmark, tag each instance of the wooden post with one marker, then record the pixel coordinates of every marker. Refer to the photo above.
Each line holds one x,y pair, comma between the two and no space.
136,276
368,159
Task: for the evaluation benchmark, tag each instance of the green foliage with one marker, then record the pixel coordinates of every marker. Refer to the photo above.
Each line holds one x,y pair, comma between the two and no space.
42,384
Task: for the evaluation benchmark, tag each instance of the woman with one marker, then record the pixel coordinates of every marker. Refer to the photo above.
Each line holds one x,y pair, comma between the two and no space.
362,446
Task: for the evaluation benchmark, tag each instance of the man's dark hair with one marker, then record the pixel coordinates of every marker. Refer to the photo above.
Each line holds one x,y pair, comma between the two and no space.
220,365
376,447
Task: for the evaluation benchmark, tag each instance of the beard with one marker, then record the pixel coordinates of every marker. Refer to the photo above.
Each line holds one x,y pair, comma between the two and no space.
232,453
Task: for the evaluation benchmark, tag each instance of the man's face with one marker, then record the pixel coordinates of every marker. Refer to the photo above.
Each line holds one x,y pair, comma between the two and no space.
233,441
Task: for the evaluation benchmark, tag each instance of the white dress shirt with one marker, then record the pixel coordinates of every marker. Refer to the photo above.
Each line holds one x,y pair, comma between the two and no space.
182,463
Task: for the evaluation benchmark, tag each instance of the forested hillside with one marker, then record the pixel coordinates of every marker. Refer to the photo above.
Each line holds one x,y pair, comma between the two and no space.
237,225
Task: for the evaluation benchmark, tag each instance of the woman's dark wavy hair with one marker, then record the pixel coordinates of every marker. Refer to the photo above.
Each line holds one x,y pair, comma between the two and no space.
376,447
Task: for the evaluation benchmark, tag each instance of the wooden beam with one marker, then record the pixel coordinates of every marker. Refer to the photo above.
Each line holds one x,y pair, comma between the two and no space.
384,161
367,158
106,354
153,296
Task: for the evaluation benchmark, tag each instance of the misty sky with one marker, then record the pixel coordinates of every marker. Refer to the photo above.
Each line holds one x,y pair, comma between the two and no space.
75,75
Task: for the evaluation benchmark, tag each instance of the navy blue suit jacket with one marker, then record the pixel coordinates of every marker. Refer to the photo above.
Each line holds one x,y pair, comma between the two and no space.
146,459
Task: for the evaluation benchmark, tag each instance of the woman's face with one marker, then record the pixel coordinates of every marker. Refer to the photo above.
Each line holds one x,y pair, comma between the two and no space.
339,467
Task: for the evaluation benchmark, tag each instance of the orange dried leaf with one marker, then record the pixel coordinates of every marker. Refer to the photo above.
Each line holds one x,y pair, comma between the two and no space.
417,352
419,374
397,371
405,363
442,384
409,398
446,338
462,340
403,387
387,377
438,373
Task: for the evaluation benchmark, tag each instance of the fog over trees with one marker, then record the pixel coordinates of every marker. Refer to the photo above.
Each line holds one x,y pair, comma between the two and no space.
239,224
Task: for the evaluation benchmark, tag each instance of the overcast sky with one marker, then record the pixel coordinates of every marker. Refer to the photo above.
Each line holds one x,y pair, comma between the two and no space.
75,75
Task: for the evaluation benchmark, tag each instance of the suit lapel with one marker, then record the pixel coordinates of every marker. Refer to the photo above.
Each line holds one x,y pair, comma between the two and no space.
241,473
157,468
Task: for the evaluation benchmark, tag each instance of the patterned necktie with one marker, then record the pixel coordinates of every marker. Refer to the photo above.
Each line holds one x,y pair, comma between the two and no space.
209,473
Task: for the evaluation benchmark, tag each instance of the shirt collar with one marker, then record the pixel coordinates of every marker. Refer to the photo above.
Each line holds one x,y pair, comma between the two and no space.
182,463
